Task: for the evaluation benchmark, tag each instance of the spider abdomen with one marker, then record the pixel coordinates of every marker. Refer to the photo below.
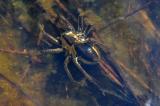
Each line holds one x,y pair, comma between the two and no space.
88,52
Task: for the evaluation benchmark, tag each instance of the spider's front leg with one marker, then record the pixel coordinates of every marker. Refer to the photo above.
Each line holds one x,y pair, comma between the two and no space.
45,34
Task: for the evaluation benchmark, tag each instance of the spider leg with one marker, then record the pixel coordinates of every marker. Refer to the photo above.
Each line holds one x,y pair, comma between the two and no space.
82,23
85,30
89,30
55,40
78,24
66,62
46,42
70,26
88,77
94,81
54,51
42,33
86,61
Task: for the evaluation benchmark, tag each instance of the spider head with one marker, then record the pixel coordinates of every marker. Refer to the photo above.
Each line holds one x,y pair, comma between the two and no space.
74,37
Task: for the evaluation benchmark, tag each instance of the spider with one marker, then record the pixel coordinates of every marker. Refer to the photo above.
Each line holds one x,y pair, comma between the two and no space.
78,47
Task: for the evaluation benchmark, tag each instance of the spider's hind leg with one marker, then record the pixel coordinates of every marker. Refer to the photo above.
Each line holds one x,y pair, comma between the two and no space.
87,76
66,62
94,81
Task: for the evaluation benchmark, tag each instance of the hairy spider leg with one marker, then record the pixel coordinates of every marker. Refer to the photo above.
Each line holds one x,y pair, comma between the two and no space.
78,24
66,62
85,30
54,51
82,23
42,33
89,30
68,23
94,81
86,62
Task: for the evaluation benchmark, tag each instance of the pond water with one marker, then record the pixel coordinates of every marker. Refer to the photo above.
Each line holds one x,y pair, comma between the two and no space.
128,70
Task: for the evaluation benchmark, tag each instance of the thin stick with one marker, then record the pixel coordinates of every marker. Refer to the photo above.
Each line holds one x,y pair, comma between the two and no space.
18,88
125,17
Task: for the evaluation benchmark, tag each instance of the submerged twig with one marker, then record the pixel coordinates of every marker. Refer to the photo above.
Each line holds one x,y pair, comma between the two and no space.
18,88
